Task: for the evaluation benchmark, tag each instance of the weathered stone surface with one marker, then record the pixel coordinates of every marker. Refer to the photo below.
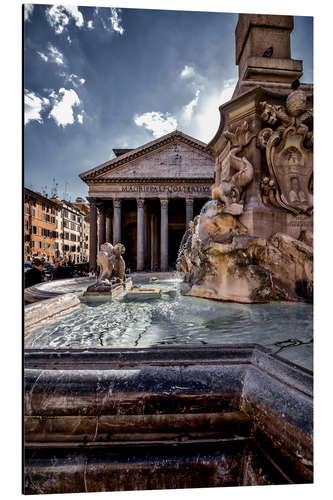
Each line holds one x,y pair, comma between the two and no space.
216,226
251,269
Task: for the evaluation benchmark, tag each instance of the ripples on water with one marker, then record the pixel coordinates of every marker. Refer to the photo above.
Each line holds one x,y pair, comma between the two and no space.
177,319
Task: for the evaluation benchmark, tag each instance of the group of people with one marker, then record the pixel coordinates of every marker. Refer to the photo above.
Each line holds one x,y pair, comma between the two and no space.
64,268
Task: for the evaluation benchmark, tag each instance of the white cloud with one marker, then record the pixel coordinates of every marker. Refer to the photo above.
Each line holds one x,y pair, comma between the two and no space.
80,118
55,55
187,72
69,40
188,108
158,123
59,16
73,79
207,119
63,104
28,10
43,56
33,106
116,20
110,24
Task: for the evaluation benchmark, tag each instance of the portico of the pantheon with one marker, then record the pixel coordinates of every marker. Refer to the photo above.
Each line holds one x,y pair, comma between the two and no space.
145,198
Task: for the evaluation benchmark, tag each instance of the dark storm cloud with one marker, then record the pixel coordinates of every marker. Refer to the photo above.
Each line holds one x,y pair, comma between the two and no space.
98,79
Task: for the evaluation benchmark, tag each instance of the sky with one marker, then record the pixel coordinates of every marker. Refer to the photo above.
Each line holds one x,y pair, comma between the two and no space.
102,78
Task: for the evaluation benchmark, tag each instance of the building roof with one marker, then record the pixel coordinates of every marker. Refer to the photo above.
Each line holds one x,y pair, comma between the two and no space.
120,152
142,150
35,194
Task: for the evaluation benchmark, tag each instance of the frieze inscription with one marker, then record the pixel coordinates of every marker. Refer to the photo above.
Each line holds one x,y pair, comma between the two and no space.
165,189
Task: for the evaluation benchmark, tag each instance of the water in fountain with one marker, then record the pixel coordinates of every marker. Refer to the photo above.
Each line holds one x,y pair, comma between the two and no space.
178,319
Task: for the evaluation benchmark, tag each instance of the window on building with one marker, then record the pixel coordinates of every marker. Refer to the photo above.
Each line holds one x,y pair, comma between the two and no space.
33,230
33,212
40,244
32,244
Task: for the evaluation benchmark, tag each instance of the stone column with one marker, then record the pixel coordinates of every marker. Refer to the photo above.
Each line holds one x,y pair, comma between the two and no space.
108,228
93,234
164,234
189,211
147,238
140,252
116,221
102,228
153,243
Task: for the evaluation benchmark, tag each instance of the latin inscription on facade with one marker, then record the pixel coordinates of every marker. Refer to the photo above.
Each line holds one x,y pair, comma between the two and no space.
165,189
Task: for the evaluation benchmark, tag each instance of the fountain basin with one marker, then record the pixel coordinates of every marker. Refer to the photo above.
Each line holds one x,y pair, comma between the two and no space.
52,289
121,419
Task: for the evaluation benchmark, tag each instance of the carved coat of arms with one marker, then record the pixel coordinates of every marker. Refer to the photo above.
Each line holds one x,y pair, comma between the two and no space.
289,154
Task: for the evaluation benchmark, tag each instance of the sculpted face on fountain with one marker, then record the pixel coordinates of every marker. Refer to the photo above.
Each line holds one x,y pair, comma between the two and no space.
119,249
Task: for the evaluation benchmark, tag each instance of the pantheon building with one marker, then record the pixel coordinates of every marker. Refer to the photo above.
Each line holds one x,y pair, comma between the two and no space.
145,198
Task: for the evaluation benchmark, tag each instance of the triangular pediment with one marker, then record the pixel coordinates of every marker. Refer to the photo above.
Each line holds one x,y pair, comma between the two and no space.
175,155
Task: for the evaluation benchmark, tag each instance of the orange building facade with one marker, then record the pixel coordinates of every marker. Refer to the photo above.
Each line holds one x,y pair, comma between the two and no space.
40,230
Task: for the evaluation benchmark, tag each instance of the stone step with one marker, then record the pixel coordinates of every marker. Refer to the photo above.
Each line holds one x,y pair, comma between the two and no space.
232,462
130,428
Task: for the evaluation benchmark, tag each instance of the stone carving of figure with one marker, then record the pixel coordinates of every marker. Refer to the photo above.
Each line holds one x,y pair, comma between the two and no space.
229,187
119,265
105,262
112,269
296,195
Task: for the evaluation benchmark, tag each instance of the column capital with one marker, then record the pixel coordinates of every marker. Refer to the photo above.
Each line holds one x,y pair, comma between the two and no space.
189,201
140,202
92,201
117,202
164,202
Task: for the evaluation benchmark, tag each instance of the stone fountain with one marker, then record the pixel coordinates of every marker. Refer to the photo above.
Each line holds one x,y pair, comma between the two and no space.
116,419
253,241
112,279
